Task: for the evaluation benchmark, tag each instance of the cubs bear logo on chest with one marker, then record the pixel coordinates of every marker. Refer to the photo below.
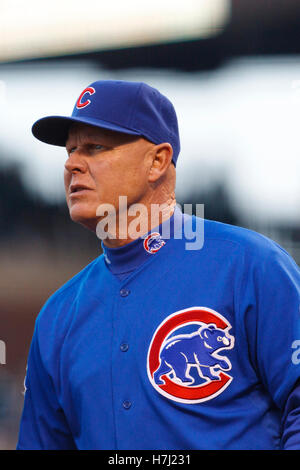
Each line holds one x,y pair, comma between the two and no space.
185,362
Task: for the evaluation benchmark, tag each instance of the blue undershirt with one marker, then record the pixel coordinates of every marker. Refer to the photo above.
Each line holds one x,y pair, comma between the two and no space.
122,261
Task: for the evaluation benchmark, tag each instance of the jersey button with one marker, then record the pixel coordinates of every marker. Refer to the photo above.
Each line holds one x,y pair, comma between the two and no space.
126,404
124,292
124,347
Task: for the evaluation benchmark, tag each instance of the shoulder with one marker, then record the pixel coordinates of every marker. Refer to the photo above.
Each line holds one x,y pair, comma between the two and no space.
73,284
248,241
61,300
250,250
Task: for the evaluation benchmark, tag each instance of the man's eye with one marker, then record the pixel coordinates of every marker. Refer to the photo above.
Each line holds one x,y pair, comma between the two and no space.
99,147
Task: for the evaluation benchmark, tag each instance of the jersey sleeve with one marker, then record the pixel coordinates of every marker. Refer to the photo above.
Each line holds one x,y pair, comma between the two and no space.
270,299
43,424
291,421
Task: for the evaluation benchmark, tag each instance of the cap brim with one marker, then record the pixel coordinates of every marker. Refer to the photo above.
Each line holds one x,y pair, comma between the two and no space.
54,130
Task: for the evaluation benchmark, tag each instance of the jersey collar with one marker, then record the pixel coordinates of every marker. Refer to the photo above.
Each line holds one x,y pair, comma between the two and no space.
125,259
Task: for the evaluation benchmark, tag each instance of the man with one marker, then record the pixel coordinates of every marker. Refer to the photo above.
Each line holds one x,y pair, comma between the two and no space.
156,344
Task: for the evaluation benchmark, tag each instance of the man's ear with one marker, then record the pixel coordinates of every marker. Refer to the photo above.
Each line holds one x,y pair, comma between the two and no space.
161,160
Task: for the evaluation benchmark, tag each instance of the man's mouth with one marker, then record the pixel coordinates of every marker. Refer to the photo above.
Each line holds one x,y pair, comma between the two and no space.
77,188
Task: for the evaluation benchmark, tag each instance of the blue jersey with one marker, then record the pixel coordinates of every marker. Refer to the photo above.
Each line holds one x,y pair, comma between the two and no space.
153,346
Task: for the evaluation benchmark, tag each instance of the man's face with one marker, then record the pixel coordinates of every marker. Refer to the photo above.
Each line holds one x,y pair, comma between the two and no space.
101,166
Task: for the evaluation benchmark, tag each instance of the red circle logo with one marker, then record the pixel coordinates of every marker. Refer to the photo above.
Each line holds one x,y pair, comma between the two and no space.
184,362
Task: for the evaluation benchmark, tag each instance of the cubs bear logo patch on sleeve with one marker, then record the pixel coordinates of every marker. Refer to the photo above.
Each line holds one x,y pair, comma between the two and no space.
187,359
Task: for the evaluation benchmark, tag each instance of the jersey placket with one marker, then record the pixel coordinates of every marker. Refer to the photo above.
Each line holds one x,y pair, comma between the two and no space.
122,350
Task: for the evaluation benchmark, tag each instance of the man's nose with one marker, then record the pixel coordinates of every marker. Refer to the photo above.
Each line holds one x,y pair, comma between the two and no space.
76,163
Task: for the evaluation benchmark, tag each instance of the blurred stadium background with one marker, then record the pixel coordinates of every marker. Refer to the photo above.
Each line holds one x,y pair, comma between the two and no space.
232,70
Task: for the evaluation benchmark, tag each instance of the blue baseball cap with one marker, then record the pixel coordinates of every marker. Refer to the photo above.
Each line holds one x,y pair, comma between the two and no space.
129,107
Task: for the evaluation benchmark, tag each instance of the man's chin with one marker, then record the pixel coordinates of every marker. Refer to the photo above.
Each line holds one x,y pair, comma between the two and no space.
87,218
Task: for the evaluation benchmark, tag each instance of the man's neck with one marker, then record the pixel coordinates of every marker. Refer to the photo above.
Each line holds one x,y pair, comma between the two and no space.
137,221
